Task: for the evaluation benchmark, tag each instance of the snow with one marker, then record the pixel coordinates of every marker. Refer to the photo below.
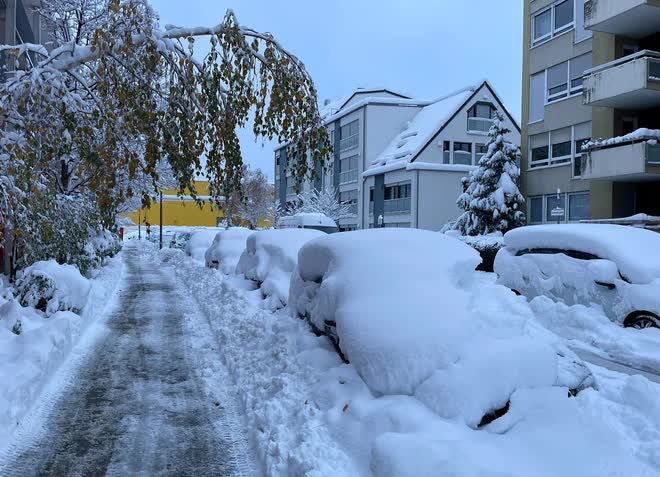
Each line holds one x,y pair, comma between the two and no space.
307,219
30,359
639,263
226,249
269,259
70,288
641,134
199,242
493,240
421,129
404,337
312,415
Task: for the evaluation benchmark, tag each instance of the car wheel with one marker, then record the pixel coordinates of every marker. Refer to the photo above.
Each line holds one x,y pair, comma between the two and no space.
642,321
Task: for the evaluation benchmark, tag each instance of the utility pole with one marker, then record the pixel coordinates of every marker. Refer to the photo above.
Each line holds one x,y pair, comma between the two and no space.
161,219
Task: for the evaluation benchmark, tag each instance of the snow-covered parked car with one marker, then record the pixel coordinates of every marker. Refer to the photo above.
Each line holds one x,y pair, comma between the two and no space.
179,240
199,242
613,266
408,310
269,258
226,249
308,220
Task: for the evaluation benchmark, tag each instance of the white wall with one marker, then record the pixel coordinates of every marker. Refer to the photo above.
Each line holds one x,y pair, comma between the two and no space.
436,201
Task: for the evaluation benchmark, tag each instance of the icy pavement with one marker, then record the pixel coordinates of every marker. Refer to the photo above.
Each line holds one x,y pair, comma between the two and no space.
150,398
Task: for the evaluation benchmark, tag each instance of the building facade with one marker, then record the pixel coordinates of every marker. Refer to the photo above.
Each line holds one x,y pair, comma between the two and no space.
590,74
397,161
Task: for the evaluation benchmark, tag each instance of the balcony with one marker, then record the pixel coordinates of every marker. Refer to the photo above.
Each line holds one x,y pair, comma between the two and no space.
629,18
350,142
633,161
397,206
479,125
630,83
348,176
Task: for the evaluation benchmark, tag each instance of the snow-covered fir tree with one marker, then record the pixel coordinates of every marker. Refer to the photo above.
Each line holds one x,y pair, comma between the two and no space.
491,200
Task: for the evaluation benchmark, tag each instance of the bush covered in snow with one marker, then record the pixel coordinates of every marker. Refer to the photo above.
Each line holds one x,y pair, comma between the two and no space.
226,249
199,242
51,287
410,310
486,245
269,258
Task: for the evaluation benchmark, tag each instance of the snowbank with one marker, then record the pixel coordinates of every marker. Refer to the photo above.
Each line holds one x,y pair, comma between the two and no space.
29,360
410,324
312,415
199,242
269,258
52,287
639,263
226,249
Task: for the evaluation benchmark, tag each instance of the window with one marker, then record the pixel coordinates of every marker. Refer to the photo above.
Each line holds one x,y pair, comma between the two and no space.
629,124
536,97
580,33
630,49
578,206
542,26
561,146
463,153
554,202
480,117
581,134
535,210
557,81
578,66
348,170
480,151
350,198
539,150
290,186
563,15
446,153
349,135
397,198
553,21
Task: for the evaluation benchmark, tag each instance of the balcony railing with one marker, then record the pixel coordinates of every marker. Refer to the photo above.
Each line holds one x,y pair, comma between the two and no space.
631,83
397,205
481,125
352,208
348,176
635,159
347,143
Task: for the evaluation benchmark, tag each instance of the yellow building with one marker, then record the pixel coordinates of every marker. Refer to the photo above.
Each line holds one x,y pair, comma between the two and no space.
185,211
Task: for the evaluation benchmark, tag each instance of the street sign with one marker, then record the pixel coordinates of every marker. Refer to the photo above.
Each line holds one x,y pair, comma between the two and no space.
557,212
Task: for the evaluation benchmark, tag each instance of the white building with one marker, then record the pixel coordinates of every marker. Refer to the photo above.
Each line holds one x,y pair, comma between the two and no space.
402,159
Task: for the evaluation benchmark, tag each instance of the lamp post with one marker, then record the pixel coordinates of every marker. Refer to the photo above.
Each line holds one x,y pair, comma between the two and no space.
161,219
140,222
381,221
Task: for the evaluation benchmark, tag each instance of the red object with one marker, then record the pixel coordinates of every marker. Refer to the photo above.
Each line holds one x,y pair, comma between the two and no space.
121,233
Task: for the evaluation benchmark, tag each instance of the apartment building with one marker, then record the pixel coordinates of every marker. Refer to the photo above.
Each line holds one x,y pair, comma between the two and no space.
591,74
20,23
398,162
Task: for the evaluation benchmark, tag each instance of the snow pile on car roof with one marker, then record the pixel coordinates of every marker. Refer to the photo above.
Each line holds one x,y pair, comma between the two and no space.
227,247
199,242
410,311
269,258
635,251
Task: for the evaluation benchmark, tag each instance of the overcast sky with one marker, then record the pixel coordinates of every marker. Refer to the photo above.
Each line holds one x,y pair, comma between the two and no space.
423,48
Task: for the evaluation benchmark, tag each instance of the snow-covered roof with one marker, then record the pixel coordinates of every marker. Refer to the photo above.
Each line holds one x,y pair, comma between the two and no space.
334,106
421,129
634,250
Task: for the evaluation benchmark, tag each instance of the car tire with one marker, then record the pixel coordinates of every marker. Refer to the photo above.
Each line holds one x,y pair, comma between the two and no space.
642,320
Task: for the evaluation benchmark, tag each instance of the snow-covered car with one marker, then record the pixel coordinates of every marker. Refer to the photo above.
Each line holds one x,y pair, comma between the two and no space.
226,249
308,220
199,242
179,240
408,310
269,258
613,266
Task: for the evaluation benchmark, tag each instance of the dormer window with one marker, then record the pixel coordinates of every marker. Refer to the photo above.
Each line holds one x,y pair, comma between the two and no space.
480,117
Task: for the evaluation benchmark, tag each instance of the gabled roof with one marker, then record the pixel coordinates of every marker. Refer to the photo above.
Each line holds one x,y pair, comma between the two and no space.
372,90
428,123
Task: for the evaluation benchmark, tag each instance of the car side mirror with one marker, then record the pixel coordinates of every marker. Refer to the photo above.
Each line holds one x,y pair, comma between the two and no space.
604,273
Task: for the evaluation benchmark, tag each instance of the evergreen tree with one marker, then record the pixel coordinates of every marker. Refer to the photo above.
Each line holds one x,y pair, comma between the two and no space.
491,199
